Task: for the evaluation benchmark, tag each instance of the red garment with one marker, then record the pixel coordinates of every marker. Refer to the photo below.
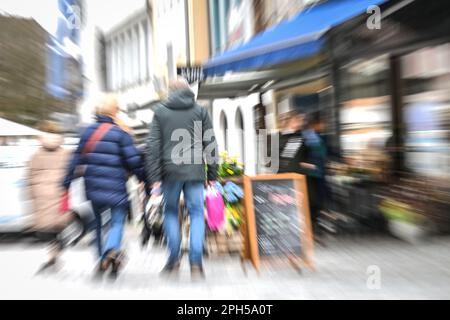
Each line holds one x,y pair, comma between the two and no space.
65,206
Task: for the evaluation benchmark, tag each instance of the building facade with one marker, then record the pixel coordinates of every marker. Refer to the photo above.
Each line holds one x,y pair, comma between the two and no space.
236,117
231,23
128,55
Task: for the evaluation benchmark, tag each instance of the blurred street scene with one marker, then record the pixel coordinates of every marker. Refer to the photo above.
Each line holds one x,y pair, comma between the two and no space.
353,95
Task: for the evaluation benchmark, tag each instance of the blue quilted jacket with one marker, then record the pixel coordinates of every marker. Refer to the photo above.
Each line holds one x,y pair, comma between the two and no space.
107,166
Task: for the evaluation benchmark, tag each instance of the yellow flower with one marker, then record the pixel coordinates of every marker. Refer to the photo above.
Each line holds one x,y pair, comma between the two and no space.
230,171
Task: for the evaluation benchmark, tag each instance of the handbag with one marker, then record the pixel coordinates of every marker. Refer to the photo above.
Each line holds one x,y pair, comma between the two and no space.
215,208
153,220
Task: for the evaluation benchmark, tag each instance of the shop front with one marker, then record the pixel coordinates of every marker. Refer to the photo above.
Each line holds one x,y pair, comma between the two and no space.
383,96
253,86
392,97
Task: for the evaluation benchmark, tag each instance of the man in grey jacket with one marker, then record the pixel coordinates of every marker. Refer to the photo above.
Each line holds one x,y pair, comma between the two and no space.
181,145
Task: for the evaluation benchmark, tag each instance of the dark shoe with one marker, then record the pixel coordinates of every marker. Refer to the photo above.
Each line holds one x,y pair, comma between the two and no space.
104,265
106,262
171,268
117,262
46,266
99,271
197,272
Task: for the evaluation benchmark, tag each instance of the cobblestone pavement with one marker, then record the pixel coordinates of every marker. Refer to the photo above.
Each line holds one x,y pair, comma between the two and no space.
406,272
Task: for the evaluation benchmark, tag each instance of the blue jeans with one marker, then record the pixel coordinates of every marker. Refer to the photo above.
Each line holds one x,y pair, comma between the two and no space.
193,197
115,232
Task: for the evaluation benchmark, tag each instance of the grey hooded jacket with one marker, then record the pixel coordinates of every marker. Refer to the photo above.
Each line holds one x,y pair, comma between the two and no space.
181,142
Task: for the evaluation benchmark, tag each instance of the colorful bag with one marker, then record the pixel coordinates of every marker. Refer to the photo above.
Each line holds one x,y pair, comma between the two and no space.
215,208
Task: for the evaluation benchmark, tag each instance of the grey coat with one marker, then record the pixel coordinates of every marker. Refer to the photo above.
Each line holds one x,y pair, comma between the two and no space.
181,142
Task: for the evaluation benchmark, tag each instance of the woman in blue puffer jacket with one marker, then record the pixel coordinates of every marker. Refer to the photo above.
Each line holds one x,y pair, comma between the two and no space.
107,156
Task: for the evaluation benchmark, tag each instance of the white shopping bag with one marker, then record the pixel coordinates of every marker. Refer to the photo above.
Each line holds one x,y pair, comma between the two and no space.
81,206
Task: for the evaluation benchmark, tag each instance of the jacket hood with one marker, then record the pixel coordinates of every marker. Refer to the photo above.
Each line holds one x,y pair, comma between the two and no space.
180,99
51,141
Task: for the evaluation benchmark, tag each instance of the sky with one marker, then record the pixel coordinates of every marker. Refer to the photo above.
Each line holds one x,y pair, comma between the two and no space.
105,13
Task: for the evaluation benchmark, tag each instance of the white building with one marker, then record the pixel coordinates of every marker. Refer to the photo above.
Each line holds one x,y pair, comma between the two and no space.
128,54
116,43
171,46
233,122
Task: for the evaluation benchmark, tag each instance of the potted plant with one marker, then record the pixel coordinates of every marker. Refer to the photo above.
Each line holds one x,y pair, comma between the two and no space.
404,221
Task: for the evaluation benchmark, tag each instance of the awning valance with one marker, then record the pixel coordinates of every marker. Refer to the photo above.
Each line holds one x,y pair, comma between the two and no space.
291,40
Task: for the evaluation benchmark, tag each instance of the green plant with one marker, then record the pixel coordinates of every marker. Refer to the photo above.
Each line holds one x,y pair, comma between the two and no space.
399,211
229,167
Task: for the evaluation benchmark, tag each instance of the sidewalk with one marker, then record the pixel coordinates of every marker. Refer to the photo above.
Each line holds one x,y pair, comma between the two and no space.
407,272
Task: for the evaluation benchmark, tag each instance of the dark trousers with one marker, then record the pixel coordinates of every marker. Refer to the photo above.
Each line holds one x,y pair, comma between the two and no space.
317,198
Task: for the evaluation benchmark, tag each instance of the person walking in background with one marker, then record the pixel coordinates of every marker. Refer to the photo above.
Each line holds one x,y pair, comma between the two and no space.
316,156
174,172
46,171
292,150
302,152
107,156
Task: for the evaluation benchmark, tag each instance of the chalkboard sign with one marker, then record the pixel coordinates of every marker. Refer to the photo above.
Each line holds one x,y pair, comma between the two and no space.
276,214
277,218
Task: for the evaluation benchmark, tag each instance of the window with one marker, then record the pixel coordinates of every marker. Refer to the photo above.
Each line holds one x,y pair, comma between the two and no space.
239,124
122,61
215,26
146,46
223,131
137,45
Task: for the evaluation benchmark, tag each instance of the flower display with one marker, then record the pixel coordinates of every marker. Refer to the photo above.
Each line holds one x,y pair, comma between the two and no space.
229,166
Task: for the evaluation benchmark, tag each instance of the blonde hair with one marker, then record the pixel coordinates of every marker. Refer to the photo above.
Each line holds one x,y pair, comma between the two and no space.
107,106
49,127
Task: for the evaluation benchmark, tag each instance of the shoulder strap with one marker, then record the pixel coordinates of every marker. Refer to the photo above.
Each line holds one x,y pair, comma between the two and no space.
98,134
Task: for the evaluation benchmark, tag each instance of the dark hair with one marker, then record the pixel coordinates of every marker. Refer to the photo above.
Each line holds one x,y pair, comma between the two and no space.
312,119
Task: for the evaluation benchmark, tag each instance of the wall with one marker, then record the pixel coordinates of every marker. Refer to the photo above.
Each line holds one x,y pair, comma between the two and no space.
198,31
231,23
277,10
229,108
170,30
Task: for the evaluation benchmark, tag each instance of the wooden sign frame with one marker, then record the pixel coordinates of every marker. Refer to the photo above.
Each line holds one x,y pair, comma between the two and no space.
251,248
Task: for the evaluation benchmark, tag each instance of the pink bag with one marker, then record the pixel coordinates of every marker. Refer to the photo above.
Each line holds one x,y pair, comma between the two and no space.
215,208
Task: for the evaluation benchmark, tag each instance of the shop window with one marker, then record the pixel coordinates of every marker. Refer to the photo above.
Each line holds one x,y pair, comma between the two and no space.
426,100
365,113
